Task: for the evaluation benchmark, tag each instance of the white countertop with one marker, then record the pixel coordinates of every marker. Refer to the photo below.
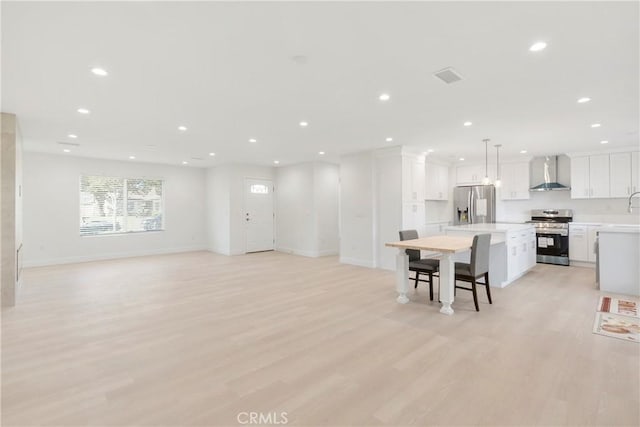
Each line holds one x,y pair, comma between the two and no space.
619,228
491,228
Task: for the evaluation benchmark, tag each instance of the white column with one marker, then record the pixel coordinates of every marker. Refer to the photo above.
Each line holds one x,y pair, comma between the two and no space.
447,276
402,275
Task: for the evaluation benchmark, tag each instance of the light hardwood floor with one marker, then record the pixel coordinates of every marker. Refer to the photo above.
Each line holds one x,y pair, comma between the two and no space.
195,339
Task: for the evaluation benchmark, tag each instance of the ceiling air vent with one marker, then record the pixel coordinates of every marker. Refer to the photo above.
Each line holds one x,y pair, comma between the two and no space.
72,144
448,75
197,158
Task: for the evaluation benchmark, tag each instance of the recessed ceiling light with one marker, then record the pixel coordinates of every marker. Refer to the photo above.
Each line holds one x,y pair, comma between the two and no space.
467,124
604,142
583,100
99,72
83,111
538,46
212,154
389,139
321,153
384,97
72,136
252,140
276,162
596,125
184,162
461,159
132,157
182,128
430,150
523,151
304,124
66,150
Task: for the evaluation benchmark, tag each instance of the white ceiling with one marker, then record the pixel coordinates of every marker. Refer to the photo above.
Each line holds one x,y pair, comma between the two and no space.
226,71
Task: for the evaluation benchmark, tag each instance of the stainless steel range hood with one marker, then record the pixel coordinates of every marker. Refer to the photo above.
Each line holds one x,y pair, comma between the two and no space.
544,175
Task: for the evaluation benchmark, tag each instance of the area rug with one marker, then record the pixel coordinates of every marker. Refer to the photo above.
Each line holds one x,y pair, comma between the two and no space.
616,326
618,306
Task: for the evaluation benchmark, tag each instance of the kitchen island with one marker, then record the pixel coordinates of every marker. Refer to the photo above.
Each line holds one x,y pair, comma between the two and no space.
618,255
513,249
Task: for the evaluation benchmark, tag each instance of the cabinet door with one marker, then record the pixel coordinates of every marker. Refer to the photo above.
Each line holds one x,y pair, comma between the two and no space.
515,181
580,177
467,175
635,171
413,217
432,183
599,176
474,174
417,180
442,173
578,245
407,190
591,239
532,248
620,177
523,258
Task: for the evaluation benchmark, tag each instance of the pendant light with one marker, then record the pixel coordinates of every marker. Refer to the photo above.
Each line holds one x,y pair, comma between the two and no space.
486,180
498,181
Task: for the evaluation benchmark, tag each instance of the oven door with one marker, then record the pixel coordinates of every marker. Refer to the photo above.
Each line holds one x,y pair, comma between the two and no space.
552,246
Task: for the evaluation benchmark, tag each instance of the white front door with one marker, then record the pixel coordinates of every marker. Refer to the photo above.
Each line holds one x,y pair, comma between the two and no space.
258,214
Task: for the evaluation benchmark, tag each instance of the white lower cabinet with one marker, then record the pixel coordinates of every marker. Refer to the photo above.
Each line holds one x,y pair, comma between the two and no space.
521,252
582,241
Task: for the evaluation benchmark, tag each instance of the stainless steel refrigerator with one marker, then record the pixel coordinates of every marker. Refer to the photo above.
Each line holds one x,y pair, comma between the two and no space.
474,204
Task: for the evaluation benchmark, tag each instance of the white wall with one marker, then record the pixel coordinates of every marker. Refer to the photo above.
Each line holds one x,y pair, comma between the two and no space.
357,207
389,205
238,174
307,209
218,217
51,210
296,230
326,191
225,205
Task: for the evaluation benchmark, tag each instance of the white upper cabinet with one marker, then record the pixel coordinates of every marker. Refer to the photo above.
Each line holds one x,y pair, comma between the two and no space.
437,181
590,177
580,178
473,174
413,180
515,181
603,176
620,176
599,176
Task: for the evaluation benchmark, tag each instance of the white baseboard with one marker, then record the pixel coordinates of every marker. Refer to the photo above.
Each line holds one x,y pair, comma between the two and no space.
219,251
309,254
89,258
329,252
358,262
582,264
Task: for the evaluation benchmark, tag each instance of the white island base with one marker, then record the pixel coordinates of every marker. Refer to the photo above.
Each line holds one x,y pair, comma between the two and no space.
513,249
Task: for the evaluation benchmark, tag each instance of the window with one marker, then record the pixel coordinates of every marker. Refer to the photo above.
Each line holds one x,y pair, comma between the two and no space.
111,205
259,189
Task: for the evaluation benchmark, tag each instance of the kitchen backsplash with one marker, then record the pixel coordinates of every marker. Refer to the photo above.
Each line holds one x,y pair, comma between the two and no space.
584,210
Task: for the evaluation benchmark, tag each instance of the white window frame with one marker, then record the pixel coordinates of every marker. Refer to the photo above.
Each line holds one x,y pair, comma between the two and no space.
125,210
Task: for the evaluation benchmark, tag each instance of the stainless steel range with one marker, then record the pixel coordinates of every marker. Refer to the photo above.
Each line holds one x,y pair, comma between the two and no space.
552,235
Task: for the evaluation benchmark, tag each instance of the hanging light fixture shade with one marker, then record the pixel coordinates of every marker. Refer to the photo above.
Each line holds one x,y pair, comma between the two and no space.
498,180
486,180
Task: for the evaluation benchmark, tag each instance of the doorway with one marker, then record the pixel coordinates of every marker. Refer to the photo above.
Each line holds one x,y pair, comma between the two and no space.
258,214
